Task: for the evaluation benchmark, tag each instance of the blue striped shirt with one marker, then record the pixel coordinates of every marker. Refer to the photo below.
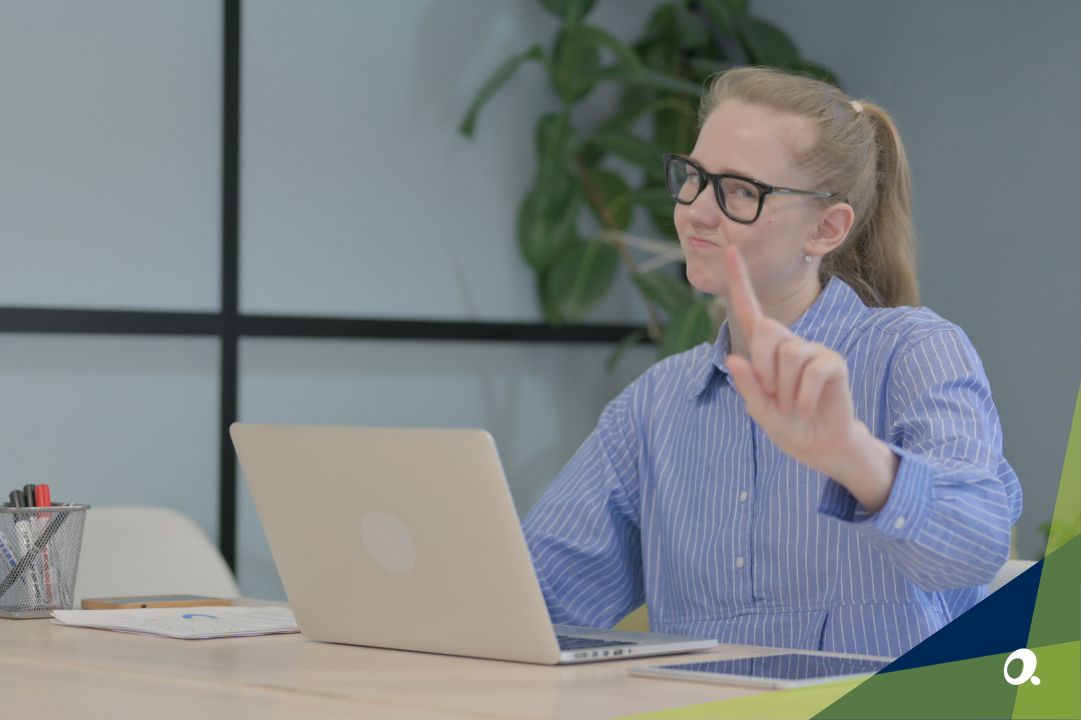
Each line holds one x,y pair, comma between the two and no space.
678,499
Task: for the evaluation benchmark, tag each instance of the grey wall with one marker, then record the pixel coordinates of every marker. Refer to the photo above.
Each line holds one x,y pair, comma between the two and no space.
359,192
110,153
987,98
109,198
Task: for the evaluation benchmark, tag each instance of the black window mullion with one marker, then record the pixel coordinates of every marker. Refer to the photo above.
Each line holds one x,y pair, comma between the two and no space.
230,280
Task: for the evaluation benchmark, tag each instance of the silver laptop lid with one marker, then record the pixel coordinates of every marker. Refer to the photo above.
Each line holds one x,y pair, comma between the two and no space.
397,538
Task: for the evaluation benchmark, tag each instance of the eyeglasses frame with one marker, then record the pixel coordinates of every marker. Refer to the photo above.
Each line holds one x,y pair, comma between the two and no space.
705,178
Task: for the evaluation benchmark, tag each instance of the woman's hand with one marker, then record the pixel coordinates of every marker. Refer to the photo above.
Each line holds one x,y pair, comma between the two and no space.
798,393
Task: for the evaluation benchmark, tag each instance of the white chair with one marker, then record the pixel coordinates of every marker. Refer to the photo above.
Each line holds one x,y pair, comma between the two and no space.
149,551
1008,572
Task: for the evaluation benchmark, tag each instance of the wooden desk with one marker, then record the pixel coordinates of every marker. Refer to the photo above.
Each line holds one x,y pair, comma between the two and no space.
49,670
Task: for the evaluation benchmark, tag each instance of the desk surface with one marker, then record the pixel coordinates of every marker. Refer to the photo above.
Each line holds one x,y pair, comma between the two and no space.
65,669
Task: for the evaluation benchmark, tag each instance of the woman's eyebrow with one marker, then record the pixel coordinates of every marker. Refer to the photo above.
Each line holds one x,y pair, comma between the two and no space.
725,171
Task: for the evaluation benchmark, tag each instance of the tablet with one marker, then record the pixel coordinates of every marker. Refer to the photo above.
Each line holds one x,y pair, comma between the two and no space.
775,671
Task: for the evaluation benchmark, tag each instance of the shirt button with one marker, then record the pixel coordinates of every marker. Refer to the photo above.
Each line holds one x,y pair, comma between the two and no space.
899,523
739,561
743,496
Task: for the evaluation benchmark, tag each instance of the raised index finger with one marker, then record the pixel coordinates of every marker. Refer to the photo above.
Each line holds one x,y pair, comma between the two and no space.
741,298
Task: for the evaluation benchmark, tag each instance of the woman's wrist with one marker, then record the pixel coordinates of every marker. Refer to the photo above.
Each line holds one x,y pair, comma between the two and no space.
866,467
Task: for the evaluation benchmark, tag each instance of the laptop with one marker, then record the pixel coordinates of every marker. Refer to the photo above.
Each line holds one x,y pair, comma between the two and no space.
408,539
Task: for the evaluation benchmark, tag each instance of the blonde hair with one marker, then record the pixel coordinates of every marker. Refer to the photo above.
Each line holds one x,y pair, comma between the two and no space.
857,154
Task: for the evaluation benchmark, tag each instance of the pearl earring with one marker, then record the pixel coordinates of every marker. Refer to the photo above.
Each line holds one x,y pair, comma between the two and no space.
807,258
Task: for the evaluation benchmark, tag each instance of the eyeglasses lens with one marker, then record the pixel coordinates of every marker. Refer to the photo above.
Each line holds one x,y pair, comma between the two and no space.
738,198
684,181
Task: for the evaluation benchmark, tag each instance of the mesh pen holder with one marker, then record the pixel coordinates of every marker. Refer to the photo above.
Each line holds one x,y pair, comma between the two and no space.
39,558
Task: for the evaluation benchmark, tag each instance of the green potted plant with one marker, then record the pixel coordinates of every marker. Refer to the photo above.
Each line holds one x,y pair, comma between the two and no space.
661,76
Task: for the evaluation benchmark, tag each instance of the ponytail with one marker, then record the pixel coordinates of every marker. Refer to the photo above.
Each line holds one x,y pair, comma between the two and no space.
878,259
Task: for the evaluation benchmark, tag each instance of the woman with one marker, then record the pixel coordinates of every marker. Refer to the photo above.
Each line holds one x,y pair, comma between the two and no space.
829,474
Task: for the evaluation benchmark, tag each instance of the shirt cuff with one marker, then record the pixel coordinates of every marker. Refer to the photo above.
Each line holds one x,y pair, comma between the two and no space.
906,509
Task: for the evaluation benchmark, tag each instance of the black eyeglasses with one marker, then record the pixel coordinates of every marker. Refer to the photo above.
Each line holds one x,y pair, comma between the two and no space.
740,198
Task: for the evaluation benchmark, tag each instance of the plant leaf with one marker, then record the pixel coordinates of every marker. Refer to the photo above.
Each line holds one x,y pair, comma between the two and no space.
580,276
687,328
494,82
569,10
634,149
647,77
576,63
555,139
546,221
576,68
628,113
766,44
614,195
660,206
674,128
654,199
662,57
630,340
706,66
661,27
721,14
552,133
552,314
601,38
665,224
670,293
690,32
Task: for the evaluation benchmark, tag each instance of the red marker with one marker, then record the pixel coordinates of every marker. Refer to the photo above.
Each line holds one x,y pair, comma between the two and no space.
43,499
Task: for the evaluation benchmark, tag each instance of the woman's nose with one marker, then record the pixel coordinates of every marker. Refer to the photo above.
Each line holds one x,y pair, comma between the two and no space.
704,209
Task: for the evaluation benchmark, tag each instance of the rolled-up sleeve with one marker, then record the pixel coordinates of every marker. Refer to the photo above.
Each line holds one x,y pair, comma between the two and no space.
947,521
584,532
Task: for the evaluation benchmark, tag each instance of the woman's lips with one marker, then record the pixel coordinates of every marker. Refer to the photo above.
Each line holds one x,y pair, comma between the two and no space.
700,244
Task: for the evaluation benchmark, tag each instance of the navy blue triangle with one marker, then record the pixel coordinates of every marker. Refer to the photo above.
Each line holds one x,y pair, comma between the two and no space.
998,624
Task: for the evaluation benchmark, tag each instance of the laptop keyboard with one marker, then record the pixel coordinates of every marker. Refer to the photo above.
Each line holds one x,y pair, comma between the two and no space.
568,642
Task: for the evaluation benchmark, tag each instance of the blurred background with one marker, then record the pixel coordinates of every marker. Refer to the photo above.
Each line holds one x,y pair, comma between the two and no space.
358,199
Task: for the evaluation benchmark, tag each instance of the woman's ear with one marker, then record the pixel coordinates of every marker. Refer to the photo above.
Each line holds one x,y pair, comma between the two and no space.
832,229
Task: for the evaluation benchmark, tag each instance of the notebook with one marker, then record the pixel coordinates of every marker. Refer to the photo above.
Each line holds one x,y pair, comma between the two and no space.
407,538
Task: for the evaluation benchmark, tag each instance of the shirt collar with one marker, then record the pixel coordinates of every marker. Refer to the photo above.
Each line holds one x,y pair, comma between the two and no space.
826,321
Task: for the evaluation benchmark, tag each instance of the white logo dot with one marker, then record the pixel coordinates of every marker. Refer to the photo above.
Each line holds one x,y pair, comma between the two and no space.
388,541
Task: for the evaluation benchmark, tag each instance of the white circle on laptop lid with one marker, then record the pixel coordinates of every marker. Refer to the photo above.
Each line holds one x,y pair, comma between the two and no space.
388,541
